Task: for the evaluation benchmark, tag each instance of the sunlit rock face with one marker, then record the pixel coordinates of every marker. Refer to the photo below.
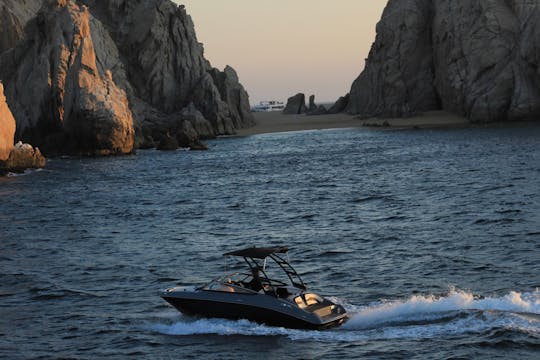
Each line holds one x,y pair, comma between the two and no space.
22,157
478,58
7,127
102,77
60,99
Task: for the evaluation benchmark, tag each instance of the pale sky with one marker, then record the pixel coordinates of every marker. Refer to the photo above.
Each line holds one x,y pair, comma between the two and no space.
282,47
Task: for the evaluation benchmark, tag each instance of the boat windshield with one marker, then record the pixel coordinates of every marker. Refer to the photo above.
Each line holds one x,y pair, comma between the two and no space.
233,283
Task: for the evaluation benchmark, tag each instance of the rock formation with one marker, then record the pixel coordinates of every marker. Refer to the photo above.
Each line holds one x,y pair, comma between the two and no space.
477,58
102,76
7,127
165,67
22,157
296,105
314,109
312,106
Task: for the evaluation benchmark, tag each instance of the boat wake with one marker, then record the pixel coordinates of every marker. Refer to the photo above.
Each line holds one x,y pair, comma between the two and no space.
419,317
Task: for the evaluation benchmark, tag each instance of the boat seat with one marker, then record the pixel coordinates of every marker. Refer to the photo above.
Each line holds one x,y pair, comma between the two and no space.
308,300
312,299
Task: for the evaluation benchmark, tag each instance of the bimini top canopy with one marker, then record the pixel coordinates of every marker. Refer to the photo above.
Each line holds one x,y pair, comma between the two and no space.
258,253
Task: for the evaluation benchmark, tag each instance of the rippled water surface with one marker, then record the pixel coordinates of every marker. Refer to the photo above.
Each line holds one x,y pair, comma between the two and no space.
430,238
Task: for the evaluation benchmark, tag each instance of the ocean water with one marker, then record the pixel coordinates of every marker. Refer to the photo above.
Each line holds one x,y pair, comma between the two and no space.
431,239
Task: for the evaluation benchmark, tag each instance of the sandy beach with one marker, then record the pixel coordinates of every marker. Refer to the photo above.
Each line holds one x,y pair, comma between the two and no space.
273,122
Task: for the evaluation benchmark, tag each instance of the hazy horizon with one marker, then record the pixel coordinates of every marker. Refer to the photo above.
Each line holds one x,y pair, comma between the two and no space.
280,48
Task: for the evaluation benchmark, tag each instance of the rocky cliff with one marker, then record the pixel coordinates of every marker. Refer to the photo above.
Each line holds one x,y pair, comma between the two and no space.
477,58
100,77
165,68
57,92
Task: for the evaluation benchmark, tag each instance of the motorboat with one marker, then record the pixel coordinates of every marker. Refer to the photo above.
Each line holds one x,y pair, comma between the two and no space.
257,297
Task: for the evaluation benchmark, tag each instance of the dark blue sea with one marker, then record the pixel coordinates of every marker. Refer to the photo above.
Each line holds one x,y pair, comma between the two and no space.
431,239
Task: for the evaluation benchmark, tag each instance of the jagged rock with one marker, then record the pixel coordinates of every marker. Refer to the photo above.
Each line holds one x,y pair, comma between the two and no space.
478,58
22,157
340,105
296,105
7,127
159,46
234,94
58,92
208,99
166,66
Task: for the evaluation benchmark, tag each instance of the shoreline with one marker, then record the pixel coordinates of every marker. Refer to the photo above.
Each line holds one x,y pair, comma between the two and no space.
276,122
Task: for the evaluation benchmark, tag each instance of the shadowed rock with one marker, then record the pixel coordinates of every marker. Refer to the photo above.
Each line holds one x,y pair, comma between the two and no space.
201,126
340,105
168,143
477,58
296,105
314,109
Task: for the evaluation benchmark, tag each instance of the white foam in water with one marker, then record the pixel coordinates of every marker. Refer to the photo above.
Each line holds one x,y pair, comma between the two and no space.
427,308
418,317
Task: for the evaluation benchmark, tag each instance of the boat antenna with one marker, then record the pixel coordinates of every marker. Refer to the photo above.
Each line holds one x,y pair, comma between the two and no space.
264,265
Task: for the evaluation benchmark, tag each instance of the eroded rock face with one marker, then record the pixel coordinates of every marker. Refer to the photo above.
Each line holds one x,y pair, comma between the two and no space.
7,127
478,58
60,99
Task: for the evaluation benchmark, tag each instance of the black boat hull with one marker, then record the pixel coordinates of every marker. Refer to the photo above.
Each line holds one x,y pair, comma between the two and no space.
239,307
